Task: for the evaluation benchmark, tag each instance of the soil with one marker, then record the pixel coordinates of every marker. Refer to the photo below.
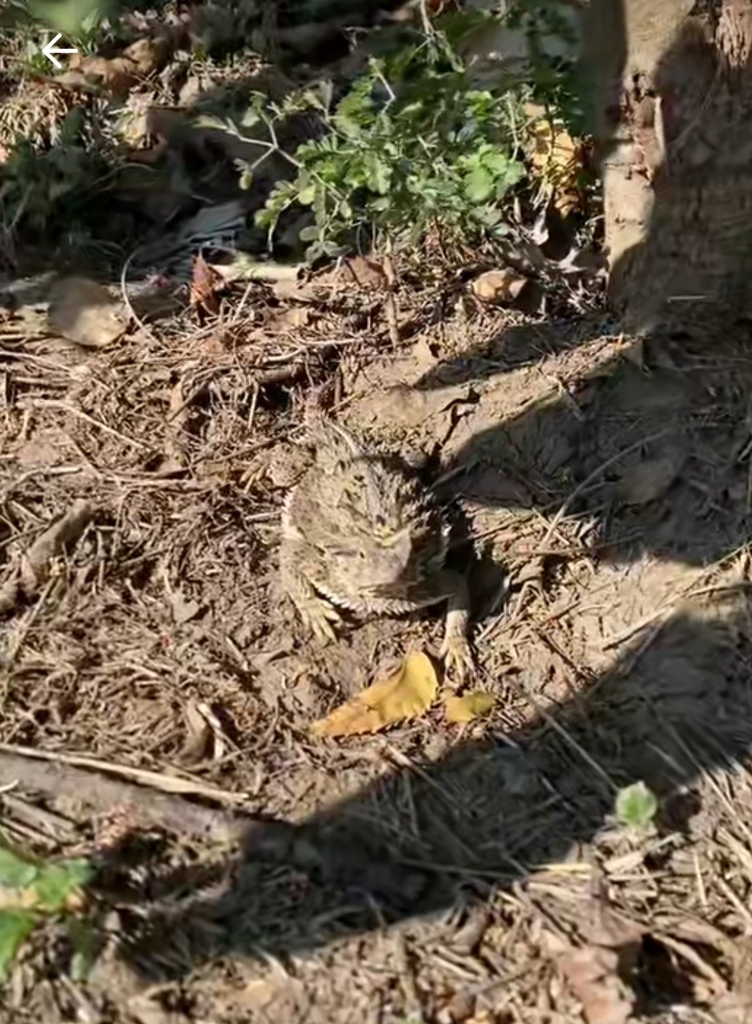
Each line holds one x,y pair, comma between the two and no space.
432,872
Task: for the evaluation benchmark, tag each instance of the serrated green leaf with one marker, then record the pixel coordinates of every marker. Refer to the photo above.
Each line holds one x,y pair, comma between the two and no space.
496,161
512,174
346,124
16,873
15,926
636,806
307,195
264,218
411,148
479,185
309,233
56,882
378,173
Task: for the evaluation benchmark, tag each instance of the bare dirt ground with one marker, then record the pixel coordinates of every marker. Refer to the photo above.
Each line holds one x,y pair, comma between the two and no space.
434,872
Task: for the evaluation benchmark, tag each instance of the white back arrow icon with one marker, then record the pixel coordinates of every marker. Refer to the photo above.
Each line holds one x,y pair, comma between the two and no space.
49,49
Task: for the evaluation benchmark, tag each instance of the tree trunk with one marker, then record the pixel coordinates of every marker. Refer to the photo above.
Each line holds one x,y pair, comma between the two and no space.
673,87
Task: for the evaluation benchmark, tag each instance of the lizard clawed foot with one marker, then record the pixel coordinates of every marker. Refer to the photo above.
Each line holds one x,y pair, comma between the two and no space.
459,661
320,618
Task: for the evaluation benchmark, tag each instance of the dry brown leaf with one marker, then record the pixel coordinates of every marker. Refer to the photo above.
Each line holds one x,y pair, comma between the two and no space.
85,312
363,272
498,286
216,344
147,55
358,271
116,76
205,286
459,710
407,693
37,563
592,975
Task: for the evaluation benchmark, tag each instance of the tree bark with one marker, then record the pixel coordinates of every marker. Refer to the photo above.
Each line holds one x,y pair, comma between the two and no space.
673,87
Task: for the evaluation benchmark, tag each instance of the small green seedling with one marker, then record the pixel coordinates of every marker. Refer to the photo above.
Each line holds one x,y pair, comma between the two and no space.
636,806
32,891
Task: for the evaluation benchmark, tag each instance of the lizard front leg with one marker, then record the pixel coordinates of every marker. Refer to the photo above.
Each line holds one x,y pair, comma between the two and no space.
456,652
317,614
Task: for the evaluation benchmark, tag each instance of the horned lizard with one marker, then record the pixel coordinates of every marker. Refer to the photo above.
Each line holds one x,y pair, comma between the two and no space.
359,532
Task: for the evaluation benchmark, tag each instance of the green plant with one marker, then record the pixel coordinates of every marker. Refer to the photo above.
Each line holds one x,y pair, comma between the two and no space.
45,187
71,17
636,806
416,148
413,149
32,891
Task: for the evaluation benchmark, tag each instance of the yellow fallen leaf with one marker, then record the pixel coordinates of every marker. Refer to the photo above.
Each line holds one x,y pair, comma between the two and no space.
406,694
557,156
459,710
498,286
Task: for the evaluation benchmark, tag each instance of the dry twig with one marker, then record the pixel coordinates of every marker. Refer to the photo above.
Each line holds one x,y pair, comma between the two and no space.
36,565
55,780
